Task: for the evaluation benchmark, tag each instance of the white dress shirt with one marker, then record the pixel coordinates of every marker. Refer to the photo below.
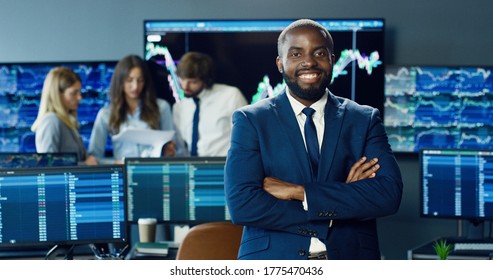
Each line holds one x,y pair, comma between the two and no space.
217,105
318,118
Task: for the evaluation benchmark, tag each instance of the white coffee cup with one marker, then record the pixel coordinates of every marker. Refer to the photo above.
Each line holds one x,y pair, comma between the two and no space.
147,229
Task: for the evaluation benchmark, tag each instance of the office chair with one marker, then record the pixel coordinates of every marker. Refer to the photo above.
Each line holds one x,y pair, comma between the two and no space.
211,241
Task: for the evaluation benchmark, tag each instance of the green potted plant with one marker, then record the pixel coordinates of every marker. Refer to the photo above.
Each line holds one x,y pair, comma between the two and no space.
442,249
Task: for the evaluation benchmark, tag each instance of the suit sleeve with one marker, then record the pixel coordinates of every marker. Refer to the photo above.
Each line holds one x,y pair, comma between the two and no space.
248,203
99,134
48,135
364,199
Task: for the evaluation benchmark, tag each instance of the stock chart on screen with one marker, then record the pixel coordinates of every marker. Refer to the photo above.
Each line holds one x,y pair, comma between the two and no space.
438,107
20,93
244,52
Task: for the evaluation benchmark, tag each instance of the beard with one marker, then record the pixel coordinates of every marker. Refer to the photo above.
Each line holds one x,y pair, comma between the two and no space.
190,94
312,93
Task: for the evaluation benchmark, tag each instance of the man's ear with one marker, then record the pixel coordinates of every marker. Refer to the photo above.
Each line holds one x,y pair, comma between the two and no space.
279,64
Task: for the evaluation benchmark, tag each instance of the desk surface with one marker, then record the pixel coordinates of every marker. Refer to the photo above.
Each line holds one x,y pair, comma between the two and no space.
427,252
82,252
134,255
40,253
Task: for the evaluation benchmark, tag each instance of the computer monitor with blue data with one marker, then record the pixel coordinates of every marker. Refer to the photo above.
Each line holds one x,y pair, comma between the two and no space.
456,184
447,107
26,160
20,93
176,190
244,52
77,205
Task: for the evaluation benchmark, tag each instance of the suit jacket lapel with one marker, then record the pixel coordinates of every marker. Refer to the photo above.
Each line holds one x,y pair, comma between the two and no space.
334,113
291,131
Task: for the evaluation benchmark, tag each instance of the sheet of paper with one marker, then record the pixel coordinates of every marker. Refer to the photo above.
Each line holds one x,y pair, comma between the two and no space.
144,136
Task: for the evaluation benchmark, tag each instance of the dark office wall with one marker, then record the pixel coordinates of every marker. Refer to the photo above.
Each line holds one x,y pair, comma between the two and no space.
419,31
436,32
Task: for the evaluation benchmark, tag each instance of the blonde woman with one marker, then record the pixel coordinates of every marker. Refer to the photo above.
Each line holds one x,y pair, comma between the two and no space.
56,126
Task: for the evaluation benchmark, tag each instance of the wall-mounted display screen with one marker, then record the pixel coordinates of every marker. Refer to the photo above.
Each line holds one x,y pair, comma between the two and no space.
20,93
245,51
26,160
439,107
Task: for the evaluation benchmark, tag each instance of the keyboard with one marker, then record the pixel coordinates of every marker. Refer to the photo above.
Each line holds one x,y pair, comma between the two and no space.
473,246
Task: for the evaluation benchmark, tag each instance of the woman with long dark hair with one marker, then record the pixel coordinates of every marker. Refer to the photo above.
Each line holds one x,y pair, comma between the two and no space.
133,104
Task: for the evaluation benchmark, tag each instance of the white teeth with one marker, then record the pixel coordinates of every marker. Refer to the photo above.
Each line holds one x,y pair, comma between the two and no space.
308,76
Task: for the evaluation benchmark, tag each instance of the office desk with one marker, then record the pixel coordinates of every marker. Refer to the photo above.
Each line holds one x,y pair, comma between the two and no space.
134,255
427,252
80,253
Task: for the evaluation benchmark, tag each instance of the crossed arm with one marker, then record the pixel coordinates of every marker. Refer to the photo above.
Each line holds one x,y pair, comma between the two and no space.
362,169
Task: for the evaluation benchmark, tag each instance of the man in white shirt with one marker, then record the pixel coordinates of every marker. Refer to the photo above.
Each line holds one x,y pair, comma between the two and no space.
216,104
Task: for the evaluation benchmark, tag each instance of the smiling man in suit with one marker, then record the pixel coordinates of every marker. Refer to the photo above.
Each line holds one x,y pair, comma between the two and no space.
301,170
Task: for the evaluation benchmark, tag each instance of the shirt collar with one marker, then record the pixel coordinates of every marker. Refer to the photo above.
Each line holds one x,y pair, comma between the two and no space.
204,93
318,106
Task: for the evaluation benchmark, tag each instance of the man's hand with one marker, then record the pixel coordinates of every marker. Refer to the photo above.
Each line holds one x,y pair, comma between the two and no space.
91,160
289,191
362,170
283,190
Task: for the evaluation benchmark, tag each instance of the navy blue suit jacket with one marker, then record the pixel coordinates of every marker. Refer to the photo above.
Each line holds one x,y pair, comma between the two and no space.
266,141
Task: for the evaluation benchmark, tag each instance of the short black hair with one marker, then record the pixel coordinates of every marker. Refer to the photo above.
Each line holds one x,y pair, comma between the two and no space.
305,23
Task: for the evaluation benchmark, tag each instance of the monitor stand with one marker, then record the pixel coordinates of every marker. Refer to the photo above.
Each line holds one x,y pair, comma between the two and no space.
67,251
475,230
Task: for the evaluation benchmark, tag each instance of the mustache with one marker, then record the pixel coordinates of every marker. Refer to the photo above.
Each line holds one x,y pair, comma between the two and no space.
309,69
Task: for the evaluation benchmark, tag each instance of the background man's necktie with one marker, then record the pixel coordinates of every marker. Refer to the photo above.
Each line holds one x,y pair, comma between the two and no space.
195,129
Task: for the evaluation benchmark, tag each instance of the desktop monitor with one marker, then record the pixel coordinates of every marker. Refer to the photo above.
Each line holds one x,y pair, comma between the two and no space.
456,184
20,93
244,52
438,107
25,160
176,190
51,206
